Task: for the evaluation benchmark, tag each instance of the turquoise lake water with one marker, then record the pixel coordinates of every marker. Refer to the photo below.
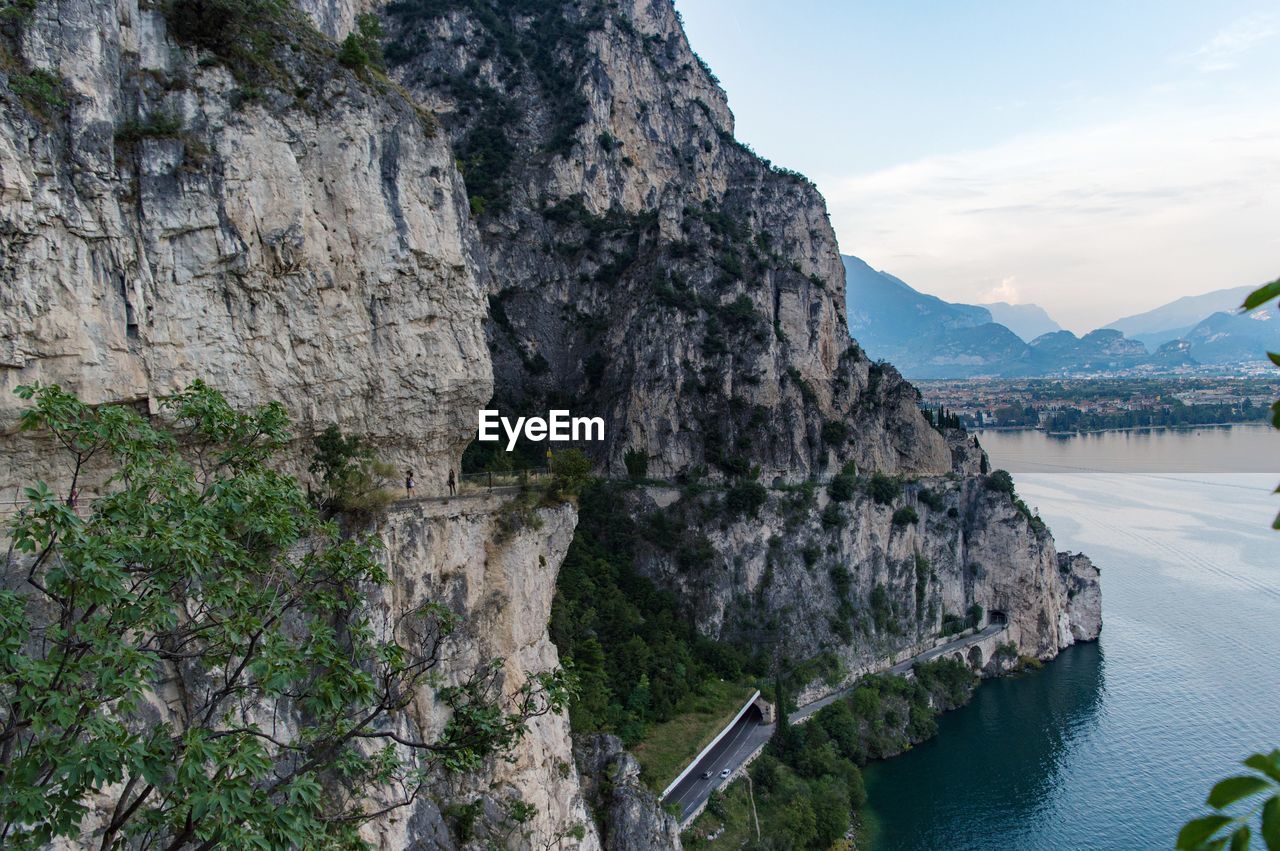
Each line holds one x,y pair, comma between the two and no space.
1116,743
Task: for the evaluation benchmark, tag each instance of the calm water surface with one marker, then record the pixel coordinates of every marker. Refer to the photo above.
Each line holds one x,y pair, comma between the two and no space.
1115,744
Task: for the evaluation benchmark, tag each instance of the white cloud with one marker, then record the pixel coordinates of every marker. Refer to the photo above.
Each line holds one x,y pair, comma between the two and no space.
1092,223
1006,291
1228,45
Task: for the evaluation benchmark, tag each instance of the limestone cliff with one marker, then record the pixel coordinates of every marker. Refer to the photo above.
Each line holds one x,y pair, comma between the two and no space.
175,220
645,265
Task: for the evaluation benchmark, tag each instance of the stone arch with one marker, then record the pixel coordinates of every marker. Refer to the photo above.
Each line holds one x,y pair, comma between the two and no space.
975,657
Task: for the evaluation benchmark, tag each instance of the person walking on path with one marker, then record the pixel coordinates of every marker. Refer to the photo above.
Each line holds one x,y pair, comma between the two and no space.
453,483
408,483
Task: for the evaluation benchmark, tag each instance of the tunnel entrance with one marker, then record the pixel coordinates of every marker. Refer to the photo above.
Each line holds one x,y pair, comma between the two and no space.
997,616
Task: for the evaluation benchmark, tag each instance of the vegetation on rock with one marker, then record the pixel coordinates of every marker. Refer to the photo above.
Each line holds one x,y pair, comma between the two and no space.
202,567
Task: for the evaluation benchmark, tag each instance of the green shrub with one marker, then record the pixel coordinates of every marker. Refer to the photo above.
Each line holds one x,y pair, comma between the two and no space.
42,92
932,499
352,479
884,489
363,47
905,515
831,517
157,125
745,498
637,463
1000,481
570,473
835,432
352,53
843,486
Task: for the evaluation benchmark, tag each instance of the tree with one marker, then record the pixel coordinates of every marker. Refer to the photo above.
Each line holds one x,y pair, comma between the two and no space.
637,463
570,473
351,476
203,568
1000,481
1261,791
884,489
363,48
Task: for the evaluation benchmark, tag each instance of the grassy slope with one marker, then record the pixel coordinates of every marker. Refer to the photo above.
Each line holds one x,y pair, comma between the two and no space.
669,746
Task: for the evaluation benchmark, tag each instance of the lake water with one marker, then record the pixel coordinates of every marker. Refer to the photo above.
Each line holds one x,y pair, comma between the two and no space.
1115,744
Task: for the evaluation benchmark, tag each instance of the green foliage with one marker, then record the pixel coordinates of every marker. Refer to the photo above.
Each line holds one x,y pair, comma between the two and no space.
923,572
843,485
1000,481
203,567
905,516
533,45
352,479
570,473
637,463
619,630
42,92
363,47
1242,804
808,782
250,37
932,499
835,432
745,497
881,608
158,125
884,489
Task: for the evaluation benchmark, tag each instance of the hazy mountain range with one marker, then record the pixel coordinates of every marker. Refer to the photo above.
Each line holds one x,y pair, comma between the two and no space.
927,337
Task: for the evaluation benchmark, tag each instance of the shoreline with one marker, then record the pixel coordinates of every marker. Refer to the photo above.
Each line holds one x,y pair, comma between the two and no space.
1188,427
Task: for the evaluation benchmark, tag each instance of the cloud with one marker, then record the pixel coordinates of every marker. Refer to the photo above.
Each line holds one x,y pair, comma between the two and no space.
1092,223
1229,44
1006,291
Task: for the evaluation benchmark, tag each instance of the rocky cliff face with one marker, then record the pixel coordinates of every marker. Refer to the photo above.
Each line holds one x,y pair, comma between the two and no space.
645,266
838,588
176,221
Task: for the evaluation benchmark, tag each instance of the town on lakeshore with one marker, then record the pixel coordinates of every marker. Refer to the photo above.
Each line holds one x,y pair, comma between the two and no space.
1096,404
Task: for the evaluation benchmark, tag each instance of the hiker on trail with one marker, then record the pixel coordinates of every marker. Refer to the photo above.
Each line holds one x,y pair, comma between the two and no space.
408,482
453,483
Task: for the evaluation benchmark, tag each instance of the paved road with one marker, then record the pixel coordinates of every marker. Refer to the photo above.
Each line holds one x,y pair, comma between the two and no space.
742,740
750,733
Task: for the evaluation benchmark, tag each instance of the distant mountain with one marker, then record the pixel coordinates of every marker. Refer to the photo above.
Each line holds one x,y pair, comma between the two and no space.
1235,337
926,337
1172,321
1028,321
1098,350
885,312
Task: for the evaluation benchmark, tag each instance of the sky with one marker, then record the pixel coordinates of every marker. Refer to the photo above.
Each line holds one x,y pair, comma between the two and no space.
1097,158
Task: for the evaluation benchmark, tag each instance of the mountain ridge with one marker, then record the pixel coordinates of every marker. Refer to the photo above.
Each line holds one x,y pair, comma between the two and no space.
928,337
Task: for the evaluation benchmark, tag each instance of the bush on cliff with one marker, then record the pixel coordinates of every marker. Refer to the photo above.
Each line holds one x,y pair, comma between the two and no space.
1000,481
202,566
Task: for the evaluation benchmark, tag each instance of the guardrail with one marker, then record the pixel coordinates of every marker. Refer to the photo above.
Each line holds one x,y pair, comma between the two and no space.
714,742
505,479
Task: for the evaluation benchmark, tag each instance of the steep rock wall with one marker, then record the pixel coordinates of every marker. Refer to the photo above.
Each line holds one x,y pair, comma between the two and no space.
647,267
837,588
311,247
